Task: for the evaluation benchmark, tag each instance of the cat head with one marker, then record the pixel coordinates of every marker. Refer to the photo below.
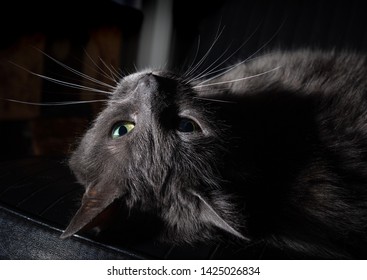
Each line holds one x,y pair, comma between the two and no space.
156,147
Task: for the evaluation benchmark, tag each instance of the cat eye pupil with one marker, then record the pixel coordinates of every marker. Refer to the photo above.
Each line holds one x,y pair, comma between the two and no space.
187,125
121,129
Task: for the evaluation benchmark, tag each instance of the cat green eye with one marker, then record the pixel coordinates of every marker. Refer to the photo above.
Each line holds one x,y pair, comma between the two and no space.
121,129
186,125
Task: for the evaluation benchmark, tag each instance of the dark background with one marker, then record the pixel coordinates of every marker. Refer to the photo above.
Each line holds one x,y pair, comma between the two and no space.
82,33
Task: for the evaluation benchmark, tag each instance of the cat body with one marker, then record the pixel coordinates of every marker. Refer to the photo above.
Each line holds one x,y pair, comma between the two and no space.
273,150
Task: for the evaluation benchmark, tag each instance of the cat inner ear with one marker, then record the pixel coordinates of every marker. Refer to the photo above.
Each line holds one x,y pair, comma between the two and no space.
96,200
209,215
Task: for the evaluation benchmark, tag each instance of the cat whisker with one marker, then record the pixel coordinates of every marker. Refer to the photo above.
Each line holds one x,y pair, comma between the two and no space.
61,103
269,41
221,72
214,70
104,74
201,61
237,80
114,77
248,58
63,83
194,59
204,72
225,70
78,72
118,74
72,85
215,100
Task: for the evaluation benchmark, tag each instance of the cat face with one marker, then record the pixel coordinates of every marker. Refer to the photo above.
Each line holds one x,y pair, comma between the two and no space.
155,147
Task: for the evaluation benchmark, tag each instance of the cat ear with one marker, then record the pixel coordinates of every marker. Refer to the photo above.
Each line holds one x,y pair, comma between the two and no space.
95,200
209,215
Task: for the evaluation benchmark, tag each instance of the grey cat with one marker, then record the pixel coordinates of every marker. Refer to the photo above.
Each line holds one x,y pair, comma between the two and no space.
272,149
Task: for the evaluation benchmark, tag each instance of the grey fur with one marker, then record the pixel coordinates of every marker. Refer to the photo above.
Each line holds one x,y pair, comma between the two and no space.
279,153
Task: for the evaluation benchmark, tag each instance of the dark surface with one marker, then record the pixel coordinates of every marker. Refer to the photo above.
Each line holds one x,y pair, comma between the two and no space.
38,197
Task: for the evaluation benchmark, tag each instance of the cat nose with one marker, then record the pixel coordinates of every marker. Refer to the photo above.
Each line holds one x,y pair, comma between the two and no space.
148,83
